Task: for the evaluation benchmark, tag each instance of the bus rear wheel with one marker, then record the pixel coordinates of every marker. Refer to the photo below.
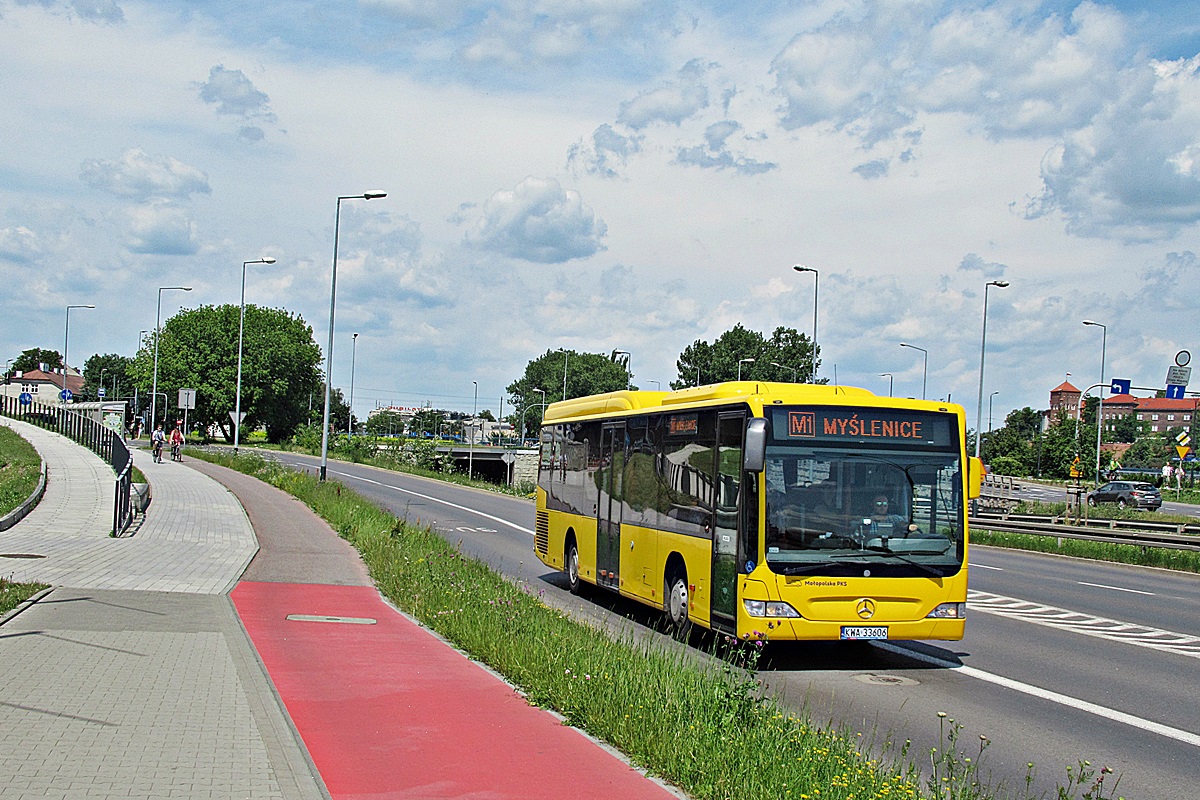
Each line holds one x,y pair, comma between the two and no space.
573,582
675,604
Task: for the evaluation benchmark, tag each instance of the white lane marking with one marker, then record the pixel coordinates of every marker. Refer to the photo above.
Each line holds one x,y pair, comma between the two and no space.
437,500
1100,627
1187,737
984,566
1115,588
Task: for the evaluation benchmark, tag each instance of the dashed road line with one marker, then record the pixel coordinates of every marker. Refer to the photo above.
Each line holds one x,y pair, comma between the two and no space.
1115,588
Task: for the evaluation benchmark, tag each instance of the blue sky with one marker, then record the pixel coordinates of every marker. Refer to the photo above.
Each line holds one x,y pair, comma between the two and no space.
614,174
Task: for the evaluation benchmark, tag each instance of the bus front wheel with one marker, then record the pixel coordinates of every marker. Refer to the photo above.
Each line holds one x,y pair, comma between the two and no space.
676,605
573,582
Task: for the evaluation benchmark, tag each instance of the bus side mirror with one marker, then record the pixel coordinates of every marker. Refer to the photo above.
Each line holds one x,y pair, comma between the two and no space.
754,456
975,471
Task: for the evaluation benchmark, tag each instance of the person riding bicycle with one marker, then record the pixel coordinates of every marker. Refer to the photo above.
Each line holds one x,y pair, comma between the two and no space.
157,439
177,443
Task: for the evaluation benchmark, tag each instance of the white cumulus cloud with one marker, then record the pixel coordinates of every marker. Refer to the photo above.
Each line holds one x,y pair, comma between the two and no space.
538,221
142,176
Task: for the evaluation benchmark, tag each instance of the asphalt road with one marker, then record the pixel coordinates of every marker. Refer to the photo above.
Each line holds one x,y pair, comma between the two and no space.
1044,493
1063,659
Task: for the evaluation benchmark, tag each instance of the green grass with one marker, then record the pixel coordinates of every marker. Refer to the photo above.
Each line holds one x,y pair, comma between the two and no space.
1166,558
13,594
703,724
20,468
1104,511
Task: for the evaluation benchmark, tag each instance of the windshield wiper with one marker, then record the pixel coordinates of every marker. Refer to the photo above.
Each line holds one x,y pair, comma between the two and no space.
888,551
798,569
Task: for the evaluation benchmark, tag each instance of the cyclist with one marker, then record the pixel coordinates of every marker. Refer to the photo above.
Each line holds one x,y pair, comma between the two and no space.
157,439
177,442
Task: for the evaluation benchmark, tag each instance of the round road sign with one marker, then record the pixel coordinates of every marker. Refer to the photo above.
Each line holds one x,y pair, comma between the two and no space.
25,398
1183,358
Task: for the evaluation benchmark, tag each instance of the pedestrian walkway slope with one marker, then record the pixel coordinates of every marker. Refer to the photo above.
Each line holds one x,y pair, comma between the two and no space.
194,538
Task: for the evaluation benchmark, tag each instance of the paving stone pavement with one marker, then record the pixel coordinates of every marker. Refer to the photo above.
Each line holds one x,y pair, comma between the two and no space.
134,677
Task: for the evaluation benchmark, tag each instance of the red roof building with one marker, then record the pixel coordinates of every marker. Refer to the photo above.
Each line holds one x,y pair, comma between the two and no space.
1065,397
44,386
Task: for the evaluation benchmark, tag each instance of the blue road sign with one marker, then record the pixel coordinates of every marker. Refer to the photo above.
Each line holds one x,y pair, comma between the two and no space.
64,395
1120,386
1175,391
100,392
25,398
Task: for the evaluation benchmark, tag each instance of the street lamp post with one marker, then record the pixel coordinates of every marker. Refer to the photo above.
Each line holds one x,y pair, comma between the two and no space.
237,412
157,334
890,378
990,398
66,339
743,361
471,436
1100,393
812,378
563,350
982,353
337,218
353,357
924,369
781,366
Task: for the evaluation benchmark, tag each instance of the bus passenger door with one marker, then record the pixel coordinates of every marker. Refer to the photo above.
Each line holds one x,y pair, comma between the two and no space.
726,505
609,484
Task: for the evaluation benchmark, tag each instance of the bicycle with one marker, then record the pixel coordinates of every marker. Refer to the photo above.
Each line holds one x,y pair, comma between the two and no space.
157,450
176,453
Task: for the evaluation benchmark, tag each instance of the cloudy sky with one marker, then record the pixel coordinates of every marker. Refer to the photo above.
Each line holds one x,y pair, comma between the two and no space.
614,174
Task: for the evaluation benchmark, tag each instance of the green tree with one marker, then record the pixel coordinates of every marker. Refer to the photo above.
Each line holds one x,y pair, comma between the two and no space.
116,371
427,420
34,357
587,374
383,423
197,349
1127,428
787,354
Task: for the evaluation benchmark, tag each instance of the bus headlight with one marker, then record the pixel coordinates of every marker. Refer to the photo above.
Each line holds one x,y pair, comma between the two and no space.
948,611
770,608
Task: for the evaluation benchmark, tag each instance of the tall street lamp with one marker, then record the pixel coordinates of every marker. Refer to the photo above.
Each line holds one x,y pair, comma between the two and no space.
1100,394
471,436
237,413
812,378
66,339
982,352
743,361
353,356
990,398
337,218
891,380
781,366
157,334
924,369
563,350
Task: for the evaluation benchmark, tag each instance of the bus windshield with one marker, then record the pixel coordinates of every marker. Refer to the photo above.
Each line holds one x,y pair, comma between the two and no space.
889,511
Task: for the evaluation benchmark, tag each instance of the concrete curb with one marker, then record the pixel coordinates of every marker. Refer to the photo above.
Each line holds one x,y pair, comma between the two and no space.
19,513
27,604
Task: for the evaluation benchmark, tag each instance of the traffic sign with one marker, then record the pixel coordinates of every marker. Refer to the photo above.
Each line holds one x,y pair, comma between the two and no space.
1120,386
236,419
1183,451
1076,468
187,398
1183,438
25,398
100,393
1179,375
65,395
1175,391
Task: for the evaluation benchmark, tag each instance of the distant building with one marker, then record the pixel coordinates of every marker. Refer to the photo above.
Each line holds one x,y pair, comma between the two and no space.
44,385
1158,413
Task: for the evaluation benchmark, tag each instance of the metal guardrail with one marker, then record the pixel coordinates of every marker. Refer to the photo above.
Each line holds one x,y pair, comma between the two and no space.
84,430
1141,534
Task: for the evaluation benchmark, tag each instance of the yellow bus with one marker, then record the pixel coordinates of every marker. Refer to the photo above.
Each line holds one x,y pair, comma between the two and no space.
768,511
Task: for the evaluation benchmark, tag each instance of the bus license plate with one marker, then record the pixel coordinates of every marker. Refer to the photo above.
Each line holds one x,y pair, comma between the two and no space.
854,633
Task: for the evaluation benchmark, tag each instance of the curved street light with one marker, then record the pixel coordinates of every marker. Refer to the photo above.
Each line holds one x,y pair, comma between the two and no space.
337,219
781,366
982,352
237,413
890,378
1100,393
924,369
812,378
743,361
157,335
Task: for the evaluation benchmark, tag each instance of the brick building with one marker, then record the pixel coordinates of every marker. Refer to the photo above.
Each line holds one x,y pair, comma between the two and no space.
1158,413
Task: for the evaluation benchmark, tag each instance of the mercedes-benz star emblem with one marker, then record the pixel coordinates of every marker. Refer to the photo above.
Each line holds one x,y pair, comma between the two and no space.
866,608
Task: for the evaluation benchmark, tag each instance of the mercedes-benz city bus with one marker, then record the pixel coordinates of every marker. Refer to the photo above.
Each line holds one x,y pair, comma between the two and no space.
764,510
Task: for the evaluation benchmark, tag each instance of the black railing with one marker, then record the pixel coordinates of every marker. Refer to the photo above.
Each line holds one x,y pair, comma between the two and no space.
92,434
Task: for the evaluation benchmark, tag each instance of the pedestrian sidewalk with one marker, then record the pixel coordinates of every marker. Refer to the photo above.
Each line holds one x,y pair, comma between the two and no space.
139,676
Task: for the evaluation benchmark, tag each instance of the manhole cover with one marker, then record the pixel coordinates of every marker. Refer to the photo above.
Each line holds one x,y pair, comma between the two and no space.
20,555
322,618
886,680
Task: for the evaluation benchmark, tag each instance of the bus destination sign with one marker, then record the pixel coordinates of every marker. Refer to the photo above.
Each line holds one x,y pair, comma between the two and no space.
862,425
